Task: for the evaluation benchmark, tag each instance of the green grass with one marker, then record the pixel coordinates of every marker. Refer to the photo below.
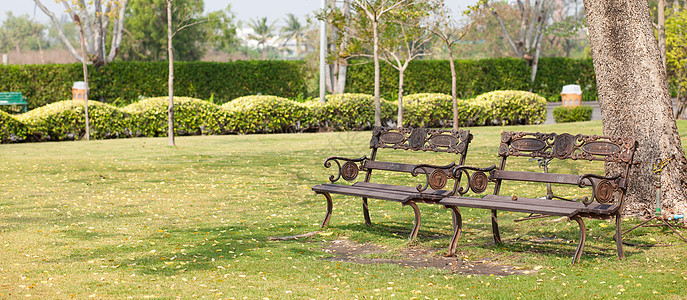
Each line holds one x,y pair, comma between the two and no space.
133,217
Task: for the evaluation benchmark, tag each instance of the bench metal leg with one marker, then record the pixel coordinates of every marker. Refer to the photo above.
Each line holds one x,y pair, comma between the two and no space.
366,213
416,226
583,238
495,226
457,229
329,209
619,236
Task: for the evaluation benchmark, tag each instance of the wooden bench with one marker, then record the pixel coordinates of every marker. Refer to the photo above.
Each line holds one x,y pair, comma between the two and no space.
14,98
608,191
418,139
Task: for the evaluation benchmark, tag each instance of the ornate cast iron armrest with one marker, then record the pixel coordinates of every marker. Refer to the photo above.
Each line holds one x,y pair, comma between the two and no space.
348,171
602,190
478,181
436,179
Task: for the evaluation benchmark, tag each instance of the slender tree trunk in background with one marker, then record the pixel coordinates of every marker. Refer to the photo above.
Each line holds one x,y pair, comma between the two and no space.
454,88
378,104
87,136
634,100
170,84
400,97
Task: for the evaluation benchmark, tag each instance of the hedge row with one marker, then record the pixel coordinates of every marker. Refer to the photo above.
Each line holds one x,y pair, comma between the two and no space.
65,120
122,83
476,77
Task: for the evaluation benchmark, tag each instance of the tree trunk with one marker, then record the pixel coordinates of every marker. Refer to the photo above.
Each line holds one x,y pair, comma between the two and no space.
87,136
400,97
634,100
378,104
341,80
170,83
454,89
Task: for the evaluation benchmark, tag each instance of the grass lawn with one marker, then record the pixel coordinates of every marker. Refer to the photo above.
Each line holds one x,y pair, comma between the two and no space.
133,217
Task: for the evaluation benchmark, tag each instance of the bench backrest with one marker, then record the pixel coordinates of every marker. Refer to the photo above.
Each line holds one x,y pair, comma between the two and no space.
567,146
417,139
12,97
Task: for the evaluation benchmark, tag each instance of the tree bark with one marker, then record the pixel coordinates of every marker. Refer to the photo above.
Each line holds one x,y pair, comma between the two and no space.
378,104
170,83
400,96
454,92
634,100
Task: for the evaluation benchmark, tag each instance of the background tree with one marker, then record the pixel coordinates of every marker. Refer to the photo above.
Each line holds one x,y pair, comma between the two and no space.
374,12
447,30
635,101
187,20
95,25
403,40
534,18
21,33
338,39
146,25
262,33
293,31
676,55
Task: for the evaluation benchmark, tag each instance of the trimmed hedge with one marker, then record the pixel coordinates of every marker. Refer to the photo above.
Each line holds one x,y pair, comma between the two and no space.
124,82
191,117
476,77
267,114
563,114
65,120
11,129
350,112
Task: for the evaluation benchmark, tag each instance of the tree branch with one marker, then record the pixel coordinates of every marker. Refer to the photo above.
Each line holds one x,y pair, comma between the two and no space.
60,32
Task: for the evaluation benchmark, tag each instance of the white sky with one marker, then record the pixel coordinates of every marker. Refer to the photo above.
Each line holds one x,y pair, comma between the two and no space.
245,10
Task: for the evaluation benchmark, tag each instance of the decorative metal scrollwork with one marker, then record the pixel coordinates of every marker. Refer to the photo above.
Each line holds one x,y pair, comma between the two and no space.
604,192
478,182
437,179
348,171
603,188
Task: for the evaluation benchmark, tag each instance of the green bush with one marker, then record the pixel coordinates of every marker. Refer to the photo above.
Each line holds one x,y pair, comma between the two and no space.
563,114
66,120
351,112
511,107
475,77
191,117
11,129
267,114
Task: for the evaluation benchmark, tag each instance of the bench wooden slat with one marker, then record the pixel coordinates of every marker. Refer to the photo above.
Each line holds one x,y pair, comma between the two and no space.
361,192
428,194
509,206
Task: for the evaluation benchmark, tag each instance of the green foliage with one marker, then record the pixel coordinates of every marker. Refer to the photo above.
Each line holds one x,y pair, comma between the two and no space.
267,114
476,77
191,117
124,82
146,26
65,120
20,32
351,112
427,110
563,114
11,129
513,107
676,53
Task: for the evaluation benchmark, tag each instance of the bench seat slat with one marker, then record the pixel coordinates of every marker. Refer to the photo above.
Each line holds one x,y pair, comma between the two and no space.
361,192
406,189
509,206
